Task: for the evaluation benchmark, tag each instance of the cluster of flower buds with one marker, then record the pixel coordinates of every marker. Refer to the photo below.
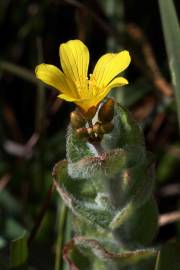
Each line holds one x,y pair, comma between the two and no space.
83,124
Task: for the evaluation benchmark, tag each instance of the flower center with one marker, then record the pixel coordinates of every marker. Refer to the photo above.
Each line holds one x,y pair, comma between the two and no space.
93,88
82,87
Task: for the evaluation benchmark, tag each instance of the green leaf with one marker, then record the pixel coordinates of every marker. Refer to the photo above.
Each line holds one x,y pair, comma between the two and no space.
168,258
103,258
89,200
19,253
13,229
80,195
172,40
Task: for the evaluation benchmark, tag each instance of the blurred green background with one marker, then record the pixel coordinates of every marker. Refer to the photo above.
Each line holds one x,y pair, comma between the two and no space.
33,122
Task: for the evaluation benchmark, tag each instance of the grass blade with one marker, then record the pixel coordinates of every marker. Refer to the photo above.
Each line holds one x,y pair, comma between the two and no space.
171,31
19,253
21,72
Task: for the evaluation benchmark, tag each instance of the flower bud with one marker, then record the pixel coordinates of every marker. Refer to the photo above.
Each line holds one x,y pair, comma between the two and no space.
107,128
99,128
90,113
77,120
90,131
82,132
106,112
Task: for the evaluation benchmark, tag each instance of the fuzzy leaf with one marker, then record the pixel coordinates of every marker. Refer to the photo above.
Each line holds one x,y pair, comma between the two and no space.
102,258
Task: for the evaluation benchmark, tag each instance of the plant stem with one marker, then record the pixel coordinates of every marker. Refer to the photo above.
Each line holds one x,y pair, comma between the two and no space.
68,235
61,216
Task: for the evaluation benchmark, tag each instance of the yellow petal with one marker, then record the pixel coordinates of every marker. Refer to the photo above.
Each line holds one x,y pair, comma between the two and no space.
74,57
86,104
67,97
52,76
109,66
117,82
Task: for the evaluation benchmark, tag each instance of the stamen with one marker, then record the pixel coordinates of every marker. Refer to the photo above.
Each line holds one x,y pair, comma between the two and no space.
94,89
82,87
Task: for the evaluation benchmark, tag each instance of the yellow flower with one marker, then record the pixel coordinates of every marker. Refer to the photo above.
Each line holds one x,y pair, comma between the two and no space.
74,84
